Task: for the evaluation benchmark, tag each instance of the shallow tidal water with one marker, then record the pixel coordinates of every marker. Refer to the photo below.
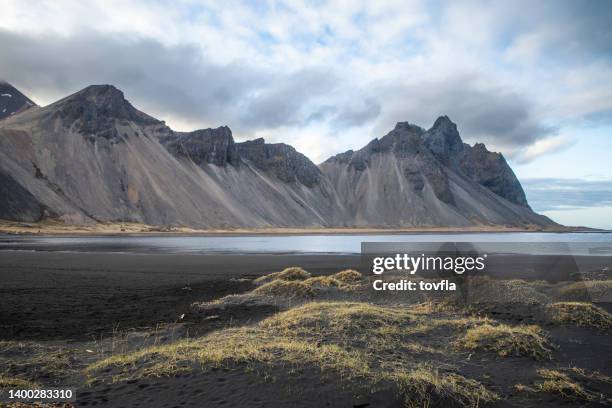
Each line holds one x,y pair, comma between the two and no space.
582,243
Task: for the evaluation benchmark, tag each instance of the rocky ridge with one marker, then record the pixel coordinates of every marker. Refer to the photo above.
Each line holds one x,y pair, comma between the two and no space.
93,157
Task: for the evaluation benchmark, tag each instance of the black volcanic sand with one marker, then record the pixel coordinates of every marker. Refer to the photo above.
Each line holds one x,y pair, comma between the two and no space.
74,295
78,301
236,388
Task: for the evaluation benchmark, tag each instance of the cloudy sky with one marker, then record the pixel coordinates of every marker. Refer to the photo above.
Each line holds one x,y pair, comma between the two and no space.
530,79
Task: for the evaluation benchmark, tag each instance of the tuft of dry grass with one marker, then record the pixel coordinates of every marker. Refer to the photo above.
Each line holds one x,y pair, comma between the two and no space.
323,282
507,340
580,314
594,376
593,290
425,386
14,382
286,289
556,382
572,384
293,273
348,276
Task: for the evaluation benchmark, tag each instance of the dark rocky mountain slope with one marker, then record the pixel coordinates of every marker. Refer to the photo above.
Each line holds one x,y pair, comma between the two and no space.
487,168
12,101
416,177
93,157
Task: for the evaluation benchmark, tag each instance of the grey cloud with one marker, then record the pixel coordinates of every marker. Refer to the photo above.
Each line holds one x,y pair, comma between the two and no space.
282,102
321,114
486,114
175,81
573,30
358,114
558,194
143,68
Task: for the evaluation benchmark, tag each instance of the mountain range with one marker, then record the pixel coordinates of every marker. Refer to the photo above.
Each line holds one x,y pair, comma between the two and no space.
93,157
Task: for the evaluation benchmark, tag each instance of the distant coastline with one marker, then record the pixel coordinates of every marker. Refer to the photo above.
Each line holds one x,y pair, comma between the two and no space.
117,228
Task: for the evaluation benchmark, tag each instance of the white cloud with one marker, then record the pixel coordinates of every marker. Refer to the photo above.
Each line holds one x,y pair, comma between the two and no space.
544,146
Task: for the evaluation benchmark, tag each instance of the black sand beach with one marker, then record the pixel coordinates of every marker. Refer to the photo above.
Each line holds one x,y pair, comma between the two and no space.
79,295
72,295
63,311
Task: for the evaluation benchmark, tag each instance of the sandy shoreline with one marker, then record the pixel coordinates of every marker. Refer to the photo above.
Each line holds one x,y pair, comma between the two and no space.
59,228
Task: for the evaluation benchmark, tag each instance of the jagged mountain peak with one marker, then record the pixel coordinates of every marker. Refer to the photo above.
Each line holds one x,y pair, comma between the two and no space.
96,109
106,99
444,121
442,142
12,101
102,96
443,139
415,177
101,89
487,168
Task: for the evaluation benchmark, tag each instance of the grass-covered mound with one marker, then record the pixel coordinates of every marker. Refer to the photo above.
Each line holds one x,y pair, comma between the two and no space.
331,284
250,347
349,276
366,325
257,350
487,290
343,322
293,273
580,314
285,289
323,282
507,340
342,280
290,287
354,341
591,290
